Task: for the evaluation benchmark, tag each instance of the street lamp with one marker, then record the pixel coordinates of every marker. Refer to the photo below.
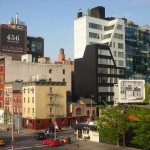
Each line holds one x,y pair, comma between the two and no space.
91,106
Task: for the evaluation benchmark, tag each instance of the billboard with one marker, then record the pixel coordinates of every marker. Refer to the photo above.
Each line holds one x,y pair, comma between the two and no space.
12,40
131,91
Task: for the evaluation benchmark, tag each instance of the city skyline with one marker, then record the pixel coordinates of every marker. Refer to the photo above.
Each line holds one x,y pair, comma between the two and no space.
54,20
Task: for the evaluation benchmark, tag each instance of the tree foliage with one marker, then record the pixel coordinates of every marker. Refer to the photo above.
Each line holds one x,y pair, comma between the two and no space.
111,123
141,127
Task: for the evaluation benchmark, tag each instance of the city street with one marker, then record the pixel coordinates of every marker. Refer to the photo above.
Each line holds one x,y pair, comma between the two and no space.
25,141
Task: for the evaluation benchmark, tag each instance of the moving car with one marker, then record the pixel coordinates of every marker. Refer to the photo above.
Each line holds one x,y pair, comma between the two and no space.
2,141
39,135
51,142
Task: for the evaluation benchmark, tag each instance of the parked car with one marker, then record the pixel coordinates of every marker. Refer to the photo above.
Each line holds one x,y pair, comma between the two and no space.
51,142
2,142
39,135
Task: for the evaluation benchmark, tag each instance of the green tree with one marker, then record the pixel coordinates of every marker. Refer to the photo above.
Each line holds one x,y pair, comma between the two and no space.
111,124
141,127
147,93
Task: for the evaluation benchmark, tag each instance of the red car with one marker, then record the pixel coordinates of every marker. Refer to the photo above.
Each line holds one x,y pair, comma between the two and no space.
51,142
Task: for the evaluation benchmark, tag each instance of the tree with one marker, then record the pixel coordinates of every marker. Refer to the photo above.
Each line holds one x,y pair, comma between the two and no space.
141,128
147,93
111,124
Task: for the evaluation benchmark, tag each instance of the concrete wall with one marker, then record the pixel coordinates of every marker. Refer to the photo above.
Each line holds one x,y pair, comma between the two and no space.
24,71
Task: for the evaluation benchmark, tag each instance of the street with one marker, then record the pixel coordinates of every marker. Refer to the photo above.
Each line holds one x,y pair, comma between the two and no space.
25,141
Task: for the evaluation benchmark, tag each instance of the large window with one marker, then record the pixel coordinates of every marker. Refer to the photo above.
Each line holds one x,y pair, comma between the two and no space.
121,54
118,36
107,36
95,26
103,52
107,28
120,45
103,89
120,63
94,35
36,46
103,70
103,61
119,27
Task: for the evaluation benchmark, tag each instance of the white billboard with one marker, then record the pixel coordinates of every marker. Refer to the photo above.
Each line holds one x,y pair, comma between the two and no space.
131,91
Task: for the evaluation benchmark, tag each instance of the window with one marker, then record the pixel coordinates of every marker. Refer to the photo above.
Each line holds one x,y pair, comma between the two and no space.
50,79
120,54
63,71
28,99
51,110
78,111
94,35
1,92
95,26
115,53
114,44
63,80
119,27
88,112
103,89
32,110
24,99
107,28
51,99
107,36
28,110
120,63
118,36
50,70
121,71
32,99
103,52
102,61
103,70
50,89
120,45
1,69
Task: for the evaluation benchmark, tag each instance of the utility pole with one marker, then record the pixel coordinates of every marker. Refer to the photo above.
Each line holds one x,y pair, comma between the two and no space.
12,141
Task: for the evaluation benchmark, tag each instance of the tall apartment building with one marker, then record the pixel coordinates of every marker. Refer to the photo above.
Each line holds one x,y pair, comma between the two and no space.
137,39
94,27
99,50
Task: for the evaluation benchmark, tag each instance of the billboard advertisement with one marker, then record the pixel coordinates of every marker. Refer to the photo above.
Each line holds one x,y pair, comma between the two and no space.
12,40
131,91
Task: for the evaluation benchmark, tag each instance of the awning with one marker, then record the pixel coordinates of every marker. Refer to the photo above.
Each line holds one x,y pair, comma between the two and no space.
84,126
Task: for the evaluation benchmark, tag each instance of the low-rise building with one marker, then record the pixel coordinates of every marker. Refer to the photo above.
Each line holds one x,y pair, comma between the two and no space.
43,102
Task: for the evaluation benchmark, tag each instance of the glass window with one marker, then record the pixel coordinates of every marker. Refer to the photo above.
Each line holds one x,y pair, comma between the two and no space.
32,99
50,70
103,70
103,61
120,45
120,54
120,63
50,89
103,89
95,26
118,36
120,27
115,53
103,52
32,110
107,36
63,71
94,35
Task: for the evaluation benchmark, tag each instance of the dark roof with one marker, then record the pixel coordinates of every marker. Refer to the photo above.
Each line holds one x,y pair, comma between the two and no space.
84,126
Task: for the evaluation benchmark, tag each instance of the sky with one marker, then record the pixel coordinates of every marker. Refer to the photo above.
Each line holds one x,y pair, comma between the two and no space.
54,19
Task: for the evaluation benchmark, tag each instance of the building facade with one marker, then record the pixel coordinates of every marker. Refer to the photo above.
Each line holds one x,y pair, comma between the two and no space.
94,27
13,38
137,39
42,103
28,71
35,46
96,73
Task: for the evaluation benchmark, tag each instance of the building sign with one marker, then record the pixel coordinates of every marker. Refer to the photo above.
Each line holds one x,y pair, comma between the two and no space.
131,91
12,40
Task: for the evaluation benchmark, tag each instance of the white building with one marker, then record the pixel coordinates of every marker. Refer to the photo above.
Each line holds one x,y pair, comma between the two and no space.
89,29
